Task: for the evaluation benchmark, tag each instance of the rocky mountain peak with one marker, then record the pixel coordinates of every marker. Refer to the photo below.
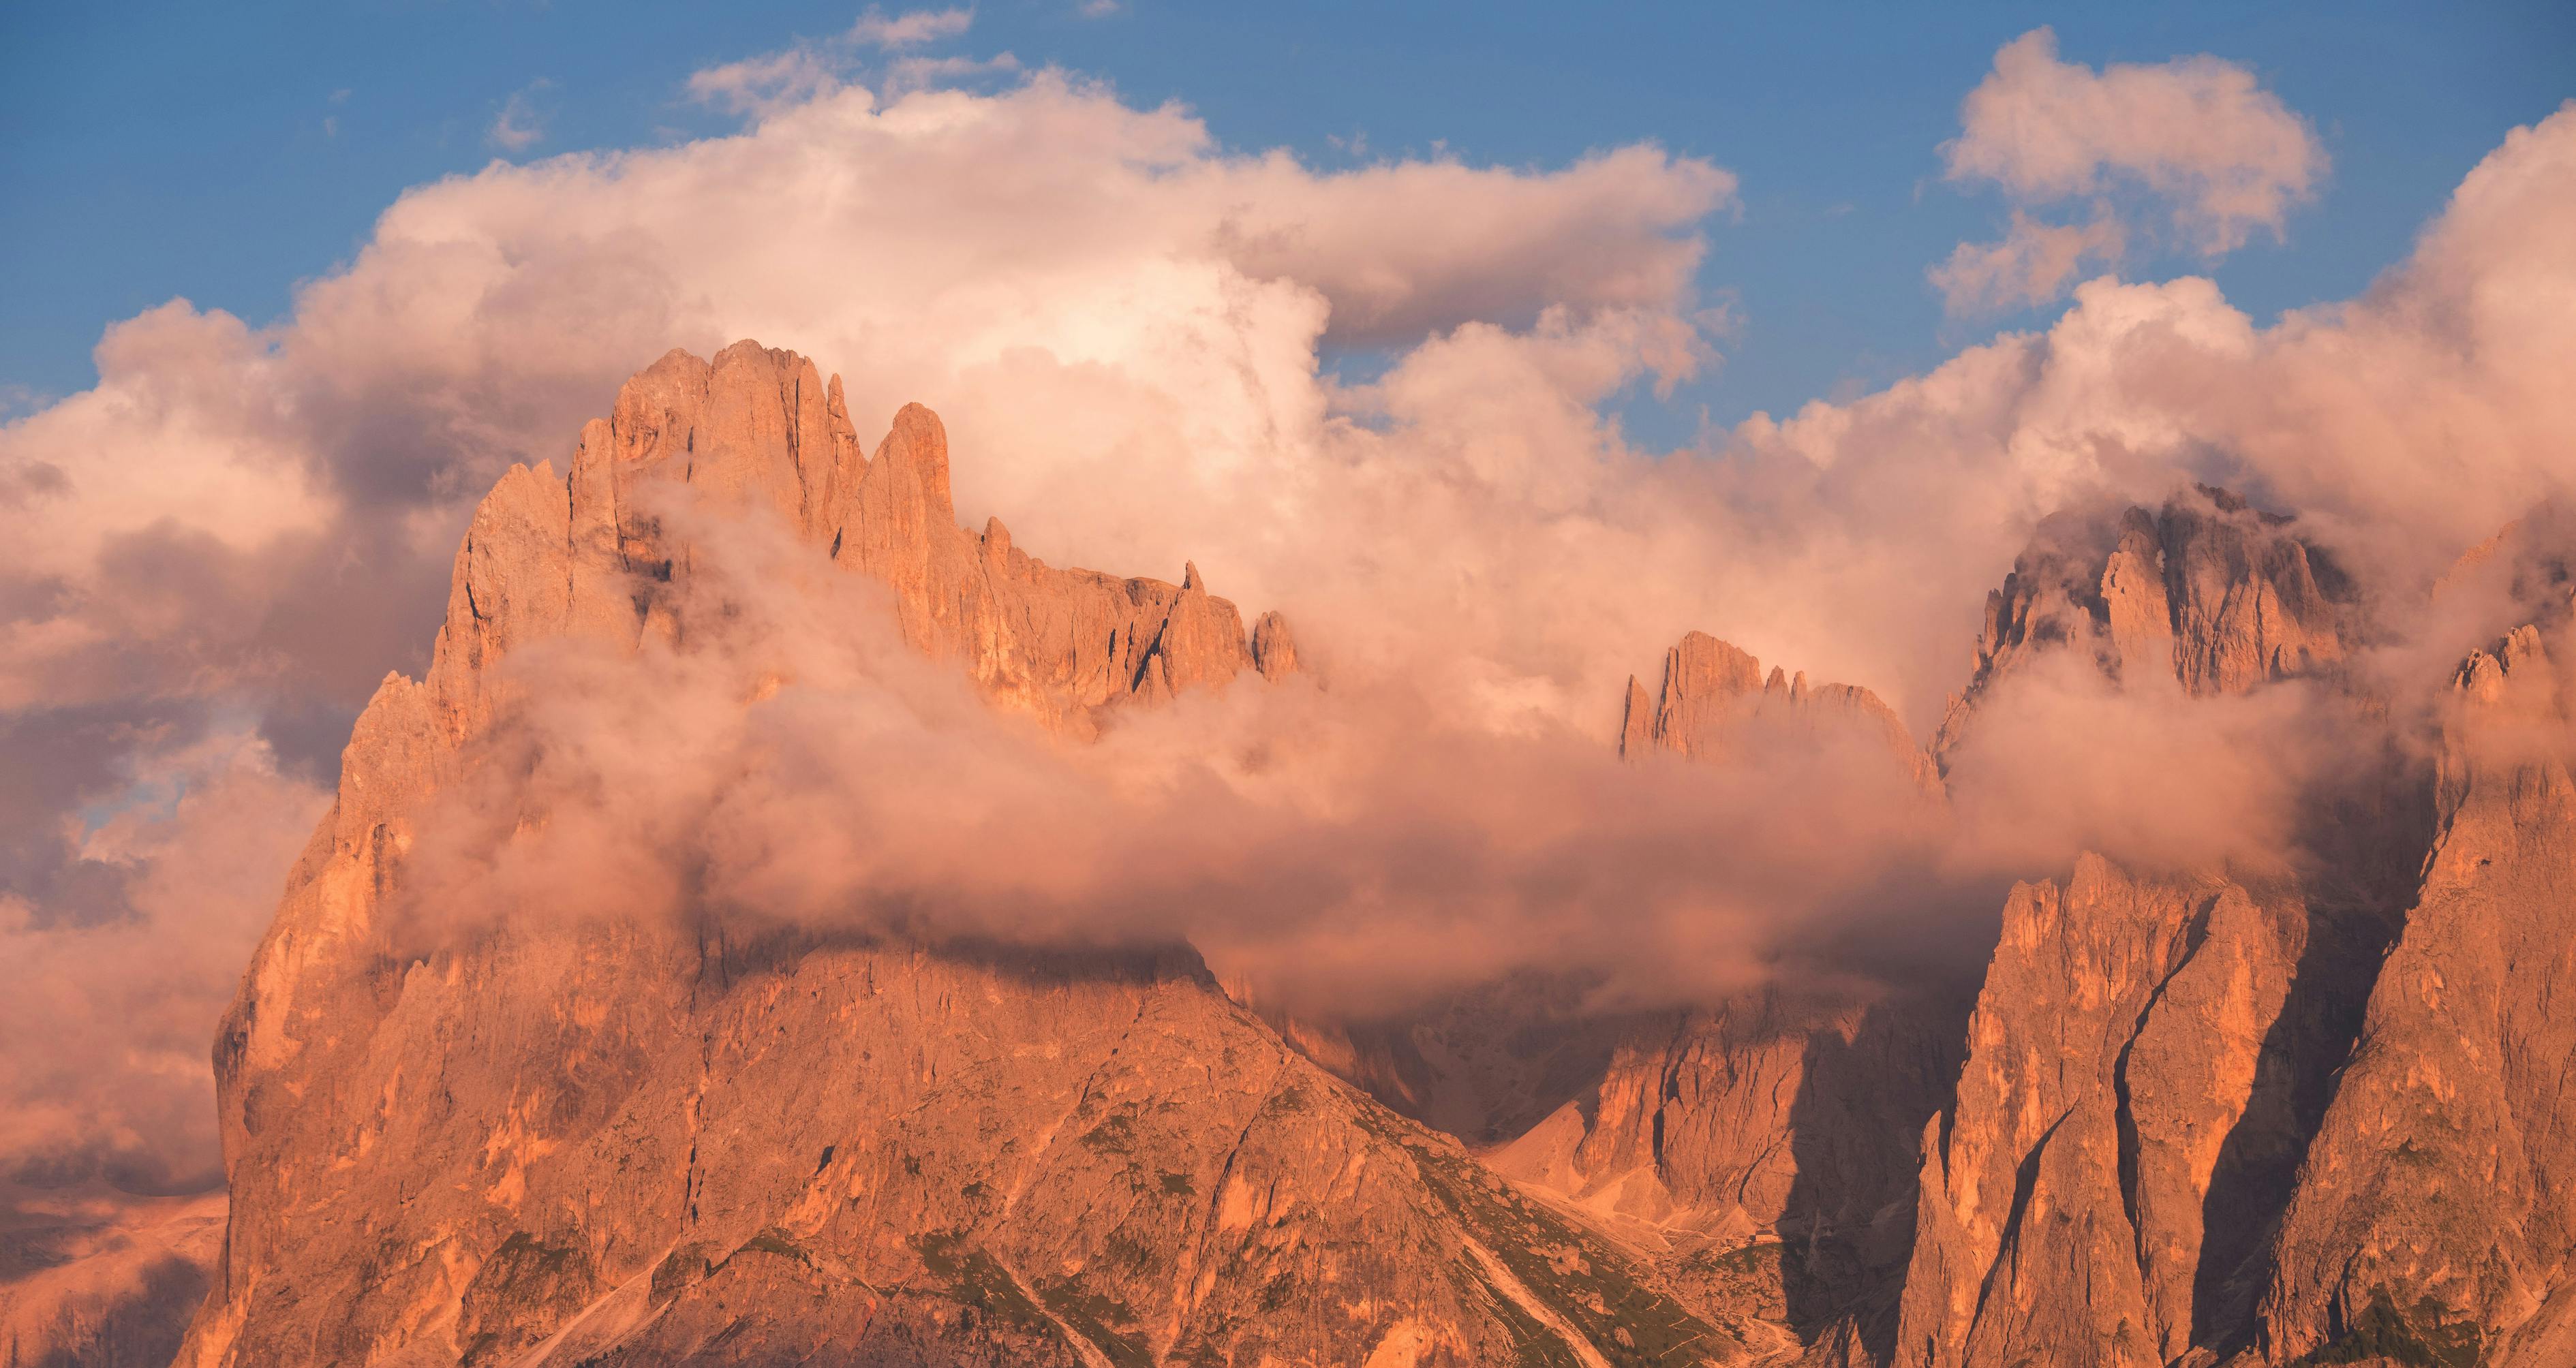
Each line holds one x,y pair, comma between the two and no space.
2308,1115
2195,1118
757,433
2206,593
1715,702
652,1139
2437,1213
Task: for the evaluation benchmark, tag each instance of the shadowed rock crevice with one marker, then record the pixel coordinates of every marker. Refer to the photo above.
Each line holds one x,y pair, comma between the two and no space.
1855,1201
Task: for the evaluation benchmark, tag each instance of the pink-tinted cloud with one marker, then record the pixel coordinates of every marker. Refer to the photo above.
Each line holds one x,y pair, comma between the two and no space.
249,526
1122,323
520,125
807,70
2198,132
2196,140
911,28
111,1019
757,85
2031,265
1344,846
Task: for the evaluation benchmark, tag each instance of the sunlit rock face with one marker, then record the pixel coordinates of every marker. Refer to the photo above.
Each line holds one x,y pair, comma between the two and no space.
2293,1104
759,431
2151,1048
2206,592
657,1139
2437,1210
2124,1076
1716,705
2302,1102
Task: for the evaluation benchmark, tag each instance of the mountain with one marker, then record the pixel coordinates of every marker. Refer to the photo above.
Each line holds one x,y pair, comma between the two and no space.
642,1140
2203,1111
1716,705
2206,591
2295,1105
2436,1215
1760,1147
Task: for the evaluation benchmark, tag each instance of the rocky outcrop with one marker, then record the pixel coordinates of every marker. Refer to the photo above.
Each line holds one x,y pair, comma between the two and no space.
1761,1147
1716,705
2152,1053
647,1140
2435,1219
757,432
1773,1134
2126,1075
2206,593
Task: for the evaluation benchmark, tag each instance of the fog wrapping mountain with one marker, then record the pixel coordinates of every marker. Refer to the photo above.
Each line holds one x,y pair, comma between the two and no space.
2436,1207
2161,1119
638,1141
2306,1105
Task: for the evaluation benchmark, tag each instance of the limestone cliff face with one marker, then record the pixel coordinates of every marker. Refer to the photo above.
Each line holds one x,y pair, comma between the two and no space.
2177,1138
1771,1136
2125,1077
1715,704
1763,1145
2206,592
758,429
2436,1214
2150,1052
648,1140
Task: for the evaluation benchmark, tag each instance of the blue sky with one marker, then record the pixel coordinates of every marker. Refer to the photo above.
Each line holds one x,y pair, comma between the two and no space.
225,153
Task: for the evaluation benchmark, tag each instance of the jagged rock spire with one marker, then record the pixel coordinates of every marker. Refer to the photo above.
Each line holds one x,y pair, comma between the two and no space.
1714,696
2206,594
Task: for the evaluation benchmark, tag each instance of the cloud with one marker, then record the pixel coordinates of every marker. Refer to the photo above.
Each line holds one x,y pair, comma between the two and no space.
2062,760
125,1006
239,530
519,126
2404,426
1345,847
2197,136
806,71
2030,266
757,85
912,28
907,74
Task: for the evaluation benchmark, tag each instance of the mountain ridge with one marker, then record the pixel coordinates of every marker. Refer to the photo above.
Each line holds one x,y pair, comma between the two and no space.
720,1139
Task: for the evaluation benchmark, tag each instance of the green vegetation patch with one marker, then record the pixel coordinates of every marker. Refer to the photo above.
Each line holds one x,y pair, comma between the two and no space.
1533,1345
1115,1136
523,1291
2428,1338
1593,1288
1105,1321
681,1269
773,1241
975,1278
